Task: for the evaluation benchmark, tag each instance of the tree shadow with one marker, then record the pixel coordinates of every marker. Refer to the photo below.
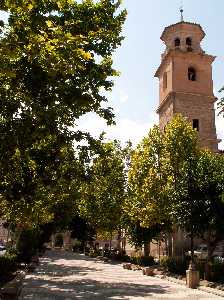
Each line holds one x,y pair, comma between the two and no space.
62,270
54,280
89,289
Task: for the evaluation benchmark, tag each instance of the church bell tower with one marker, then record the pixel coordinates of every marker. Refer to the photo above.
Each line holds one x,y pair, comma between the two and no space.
185,81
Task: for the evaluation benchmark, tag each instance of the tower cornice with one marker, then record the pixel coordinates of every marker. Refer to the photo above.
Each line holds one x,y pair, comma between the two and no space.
178,52
173,94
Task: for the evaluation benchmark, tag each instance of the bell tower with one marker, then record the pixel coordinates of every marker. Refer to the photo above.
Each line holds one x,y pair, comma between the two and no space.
185,81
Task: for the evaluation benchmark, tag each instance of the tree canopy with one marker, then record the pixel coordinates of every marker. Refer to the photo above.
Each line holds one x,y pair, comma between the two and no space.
103,194
55,62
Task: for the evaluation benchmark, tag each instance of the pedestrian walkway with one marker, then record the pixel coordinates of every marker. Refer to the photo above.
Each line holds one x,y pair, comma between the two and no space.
65,276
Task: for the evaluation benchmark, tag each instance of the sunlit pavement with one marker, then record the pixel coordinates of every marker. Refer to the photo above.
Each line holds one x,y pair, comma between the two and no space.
64,275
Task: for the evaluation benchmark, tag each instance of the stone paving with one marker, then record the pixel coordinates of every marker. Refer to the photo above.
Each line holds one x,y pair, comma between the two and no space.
65,276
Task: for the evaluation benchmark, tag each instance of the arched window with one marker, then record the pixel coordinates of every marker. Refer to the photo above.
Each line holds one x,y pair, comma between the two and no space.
177,42
191,74
164,81
189,41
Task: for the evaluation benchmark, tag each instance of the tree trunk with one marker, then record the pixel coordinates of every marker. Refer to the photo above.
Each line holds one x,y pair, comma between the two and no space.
192,248
119,248
159,244
146,249
111,236
124,243
208,264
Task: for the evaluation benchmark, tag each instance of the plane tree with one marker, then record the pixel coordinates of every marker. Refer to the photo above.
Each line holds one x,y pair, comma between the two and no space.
102,193
55,61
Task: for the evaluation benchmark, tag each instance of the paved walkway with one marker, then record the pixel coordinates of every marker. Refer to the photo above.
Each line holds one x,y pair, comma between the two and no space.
65,276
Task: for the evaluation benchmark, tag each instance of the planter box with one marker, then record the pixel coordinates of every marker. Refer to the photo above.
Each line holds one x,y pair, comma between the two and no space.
148,271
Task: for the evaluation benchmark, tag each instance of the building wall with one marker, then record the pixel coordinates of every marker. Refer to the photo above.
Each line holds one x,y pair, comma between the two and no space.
202,65
196,106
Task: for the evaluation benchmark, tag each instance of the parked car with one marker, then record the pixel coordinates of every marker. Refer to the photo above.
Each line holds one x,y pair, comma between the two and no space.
201,252
2,250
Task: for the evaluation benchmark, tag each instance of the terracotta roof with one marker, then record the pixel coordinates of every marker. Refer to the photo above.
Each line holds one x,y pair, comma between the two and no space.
190,23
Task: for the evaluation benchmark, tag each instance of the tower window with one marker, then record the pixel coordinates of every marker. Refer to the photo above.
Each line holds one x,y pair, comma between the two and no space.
164,80
189,44
196,124
191,74
177,42
188,41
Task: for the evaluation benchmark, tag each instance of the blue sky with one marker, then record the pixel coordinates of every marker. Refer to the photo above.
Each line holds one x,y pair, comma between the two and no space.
135,94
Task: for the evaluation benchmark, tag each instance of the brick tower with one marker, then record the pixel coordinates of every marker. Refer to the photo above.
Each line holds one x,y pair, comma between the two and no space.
185,81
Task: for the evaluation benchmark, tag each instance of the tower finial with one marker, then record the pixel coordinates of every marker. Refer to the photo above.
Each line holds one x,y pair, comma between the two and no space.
181,12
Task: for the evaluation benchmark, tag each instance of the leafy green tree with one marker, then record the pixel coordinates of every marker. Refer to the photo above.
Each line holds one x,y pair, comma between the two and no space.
139,236
103,191
147,200
55,61
82,230
195,178
182,148
147,204
210,217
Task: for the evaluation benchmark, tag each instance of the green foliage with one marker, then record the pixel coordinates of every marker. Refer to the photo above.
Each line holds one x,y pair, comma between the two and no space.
103,192
221,103
81,230
8,264
138,235
210,181
197,184
182,150
147,201
55,61
145,261
175,265
27,245
217,271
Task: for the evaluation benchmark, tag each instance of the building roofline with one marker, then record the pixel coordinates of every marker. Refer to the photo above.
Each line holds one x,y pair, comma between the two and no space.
182,22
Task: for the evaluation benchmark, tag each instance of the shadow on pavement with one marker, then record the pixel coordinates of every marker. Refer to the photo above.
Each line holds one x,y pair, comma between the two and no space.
90,289
54,280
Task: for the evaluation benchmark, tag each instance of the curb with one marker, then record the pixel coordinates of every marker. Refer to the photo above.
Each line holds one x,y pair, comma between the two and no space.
211,291
201,288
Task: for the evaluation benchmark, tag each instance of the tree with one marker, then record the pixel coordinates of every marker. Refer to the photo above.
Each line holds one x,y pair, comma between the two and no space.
210,217
147,199
198,185
55,60
221,103
140,236
147,204
103,192
181,149
81,230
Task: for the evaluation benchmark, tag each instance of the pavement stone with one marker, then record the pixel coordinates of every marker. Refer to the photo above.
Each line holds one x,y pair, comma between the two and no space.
65,276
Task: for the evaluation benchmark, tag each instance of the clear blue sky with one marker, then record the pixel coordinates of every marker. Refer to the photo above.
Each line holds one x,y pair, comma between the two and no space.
135,94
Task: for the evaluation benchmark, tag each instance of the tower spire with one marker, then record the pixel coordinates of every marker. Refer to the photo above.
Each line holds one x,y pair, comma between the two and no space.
181,13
